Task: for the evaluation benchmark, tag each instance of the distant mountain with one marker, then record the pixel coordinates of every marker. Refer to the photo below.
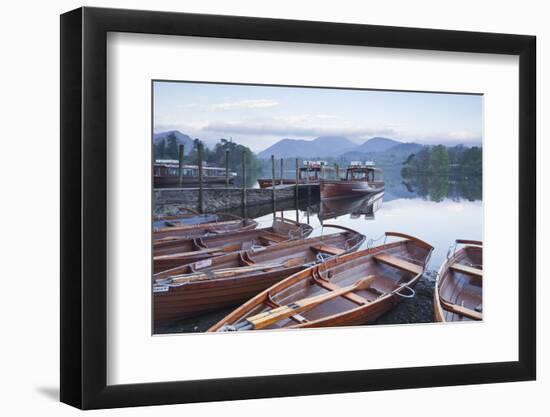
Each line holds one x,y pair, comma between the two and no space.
376,144
382,150
180,137
320,147
405,148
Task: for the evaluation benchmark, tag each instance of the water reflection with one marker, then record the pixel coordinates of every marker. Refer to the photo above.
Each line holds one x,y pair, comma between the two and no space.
438,210
355,207
437,188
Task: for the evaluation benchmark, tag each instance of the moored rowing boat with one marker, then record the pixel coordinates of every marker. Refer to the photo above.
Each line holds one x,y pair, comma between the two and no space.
459,285
229,223
235,277
175,252
349,290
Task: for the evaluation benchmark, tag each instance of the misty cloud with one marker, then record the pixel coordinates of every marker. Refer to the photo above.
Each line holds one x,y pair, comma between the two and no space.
268,129
245,104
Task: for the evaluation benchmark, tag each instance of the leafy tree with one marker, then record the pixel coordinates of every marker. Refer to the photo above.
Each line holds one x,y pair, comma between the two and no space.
171,151
160,150
439,159
472,161
409,159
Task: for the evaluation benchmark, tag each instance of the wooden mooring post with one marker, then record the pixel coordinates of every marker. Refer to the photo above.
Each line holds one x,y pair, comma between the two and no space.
282,162
296,191
227,168
273,196
181,152
337,171
244,183
201,185
308,193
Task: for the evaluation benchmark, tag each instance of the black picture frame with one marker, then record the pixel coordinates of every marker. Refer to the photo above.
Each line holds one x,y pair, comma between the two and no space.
84,207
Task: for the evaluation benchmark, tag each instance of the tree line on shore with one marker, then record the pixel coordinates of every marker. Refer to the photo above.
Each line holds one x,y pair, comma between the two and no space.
442,160
169,149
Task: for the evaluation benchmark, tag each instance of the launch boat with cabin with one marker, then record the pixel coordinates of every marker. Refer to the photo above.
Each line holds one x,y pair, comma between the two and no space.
310,173
233,278
172,253
361,179
353,289
459,285
166,174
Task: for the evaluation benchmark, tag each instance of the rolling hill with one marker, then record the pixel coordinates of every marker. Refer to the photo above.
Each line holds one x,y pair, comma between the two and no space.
180,138
320,147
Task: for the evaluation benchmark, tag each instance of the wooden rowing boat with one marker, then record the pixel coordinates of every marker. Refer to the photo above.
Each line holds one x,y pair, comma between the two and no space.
337,289
229,223
183,216
171,253
458,289
235,277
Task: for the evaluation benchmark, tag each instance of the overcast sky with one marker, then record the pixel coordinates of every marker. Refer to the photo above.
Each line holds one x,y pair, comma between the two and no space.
258,116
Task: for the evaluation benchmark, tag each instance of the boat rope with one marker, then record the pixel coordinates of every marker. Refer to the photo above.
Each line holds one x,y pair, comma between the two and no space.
410,295
371,241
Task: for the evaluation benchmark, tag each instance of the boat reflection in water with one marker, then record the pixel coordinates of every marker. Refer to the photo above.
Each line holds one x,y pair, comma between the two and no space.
355,207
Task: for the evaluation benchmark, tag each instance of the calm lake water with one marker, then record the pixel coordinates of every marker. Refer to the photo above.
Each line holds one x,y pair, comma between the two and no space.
436,210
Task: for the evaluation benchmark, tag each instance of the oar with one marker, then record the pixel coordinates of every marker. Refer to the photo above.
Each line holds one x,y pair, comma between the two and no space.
262,320
227,272
226,248
458,309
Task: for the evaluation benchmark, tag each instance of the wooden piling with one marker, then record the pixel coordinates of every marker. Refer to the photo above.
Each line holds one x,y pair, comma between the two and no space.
201,185
337,171
273,196
282,171
296,191
181,149
227,168
244,183
308,193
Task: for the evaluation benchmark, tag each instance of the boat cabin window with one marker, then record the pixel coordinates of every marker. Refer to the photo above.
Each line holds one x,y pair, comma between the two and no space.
360,174
189,172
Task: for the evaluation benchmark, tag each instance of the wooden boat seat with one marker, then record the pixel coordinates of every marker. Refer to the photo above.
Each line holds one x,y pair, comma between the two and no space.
398,263
331,250
271,238
468,270
354,298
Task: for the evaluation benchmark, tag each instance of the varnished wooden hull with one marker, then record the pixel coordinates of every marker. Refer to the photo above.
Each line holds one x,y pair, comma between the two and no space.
196,297
459,288
342,188
172,253
203,229
268,183
354,308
